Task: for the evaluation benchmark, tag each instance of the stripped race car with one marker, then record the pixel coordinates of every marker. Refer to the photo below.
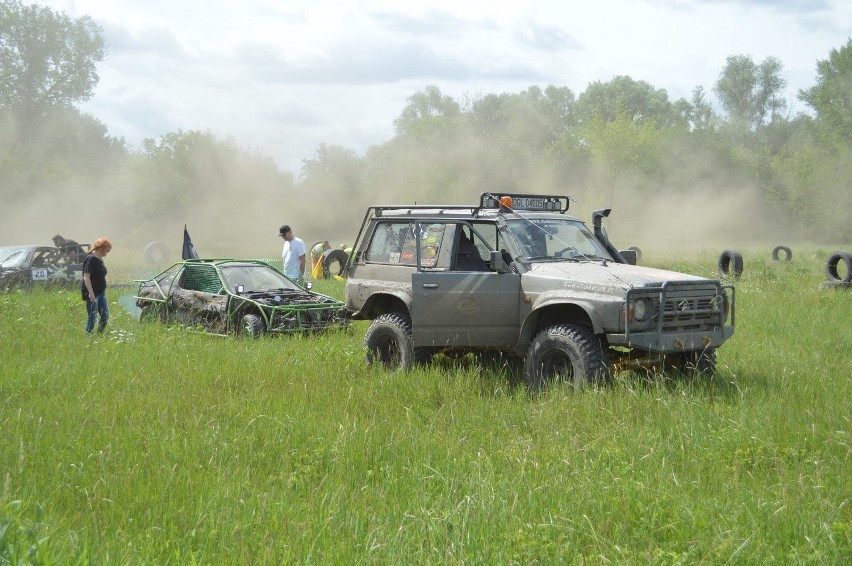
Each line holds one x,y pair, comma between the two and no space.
240,297
25,266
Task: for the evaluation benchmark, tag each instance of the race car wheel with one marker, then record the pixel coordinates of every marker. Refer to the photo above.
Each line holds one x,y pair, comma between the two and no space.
150,314
251,326
567,353
731,261
388,341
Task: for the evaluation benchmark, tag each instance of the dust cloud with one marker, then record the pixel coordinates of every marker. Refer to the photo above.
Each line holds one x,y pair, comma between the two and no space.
240,216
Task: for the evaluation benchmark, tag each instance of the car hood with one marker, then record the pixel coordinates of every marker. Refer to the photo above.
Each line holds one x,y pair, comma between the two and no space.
610,276
10,270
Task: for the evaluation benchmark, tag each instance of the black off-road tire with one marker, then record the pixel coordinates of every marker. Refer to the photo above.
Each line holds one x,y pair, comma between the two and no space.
567,353
251,326
699,362
831,267
731,262
778,250
388,342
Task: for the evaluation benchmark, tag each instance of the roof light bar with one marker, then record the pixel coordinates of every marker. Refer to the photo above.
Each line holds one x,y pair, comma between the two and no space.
516,201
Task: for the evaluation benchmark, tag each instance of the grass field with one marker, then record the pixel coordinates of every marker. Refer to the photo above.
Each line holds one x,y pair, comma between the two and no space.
157,445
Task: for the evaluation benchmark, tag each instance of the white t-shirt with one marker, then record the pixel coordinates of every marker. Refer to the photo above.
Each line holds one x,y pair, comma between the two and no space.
293,250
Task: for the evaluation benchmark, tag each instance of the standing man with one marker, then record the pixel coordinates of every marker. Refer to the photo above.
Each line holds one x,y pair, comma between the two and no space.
293,255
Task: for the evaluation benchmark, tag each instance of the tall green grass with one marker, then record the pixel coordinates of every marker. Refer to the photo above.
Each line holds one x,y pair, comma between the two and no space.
154,444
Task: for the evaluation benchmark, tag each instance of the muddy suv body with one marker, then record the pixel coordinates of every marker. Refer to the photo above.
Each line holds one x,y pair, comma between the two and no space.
519,277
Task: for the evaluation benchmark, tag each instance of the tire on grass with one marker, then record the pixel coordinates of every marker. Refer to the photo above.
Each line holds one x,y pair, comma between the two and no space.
731,262
333,262
832,264
567,353
778,250
388,342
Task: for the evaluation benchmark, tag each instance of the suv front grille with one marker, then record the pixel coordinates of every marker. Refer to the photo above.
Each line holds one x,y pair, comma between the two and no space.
680,306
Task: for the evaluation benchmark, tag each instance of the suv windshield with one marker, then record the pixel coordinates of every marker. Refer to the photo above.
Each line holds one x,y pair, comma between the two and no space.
556,238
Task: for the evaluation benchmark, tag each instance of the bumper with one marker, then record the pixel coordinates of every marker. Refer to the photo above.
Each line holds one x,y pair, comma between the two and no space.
673,342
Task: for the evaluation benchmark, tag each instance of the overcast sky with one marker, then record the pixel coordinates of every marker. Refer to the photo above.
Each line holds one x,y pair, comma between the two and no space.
282,76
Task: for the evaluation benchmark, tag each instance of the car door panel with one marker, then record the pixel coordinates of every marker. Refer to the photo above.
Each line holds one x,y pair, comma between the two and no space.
465,309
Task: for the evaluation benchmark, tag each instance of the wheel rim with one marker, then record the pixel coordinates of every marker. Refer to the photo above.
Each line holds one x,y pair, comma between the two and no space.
387,351
557,367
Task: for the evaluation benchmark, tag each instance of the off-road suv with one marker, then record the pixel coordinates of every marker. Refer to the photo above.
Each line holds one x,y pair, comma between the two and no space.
518,277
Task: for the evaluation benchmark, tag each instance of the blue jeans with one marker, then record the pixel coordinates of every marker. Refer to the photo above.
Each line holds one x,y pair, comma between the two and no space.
93,308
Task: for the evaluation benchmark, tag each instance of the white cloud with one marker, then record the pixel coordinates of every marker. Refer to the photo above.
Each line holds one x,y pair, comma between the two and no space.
285,76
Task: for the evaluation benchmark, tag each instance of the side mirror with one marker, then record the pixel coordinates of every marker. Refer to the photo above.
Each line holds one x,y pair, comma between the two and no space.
497,264
239,289
309,285
629,255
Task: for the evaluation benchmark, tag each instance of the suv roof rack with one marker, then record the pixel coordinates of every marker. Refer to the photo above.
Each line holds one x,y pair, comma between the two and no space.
409,209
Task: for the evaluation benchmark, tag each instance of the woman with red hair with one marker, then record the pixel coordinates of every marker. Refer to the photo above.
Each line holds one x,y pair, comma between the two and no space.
94,285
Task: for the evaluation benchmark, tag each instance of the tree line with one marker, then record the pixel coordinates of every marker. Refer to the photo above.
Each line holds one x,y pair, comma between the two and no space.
621,137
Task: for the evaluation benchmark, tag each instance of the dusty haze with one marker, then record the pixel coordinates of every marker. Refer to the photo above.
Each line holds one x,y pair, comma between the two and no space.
244,222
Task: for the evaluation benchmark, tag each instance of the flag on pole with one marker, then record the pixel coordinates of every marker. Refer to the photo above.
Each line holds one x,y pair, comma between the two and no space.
188,249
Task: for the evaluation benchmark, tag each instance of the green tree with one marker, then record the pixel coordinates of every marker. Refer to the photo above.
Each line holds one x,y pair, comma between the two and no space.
424,108
831,96
46,58
623,97
751,94
697,112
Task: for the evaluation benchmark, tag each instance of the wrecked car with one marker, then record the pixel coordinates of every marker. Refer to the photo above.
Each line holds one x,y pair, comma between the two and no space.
245,298
26,266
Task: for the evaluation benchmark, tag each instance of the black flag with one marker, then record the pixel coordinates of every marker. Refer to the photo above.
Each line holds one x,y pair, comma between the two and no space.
188,249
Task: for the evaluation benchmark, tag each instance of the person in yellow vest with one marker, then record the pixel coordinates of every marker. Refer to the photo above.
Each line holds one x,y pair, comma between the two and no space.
317,251
316,258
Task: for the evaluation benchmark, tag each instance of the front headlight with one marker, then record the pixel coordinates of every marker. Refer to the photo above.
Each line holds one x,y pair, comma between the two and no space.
640,309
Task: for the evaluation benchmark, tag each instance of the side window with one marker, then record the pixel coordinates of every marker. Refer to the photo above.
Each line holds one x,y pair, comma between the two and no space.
395,243
468,253
436,244
201,278
491,240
